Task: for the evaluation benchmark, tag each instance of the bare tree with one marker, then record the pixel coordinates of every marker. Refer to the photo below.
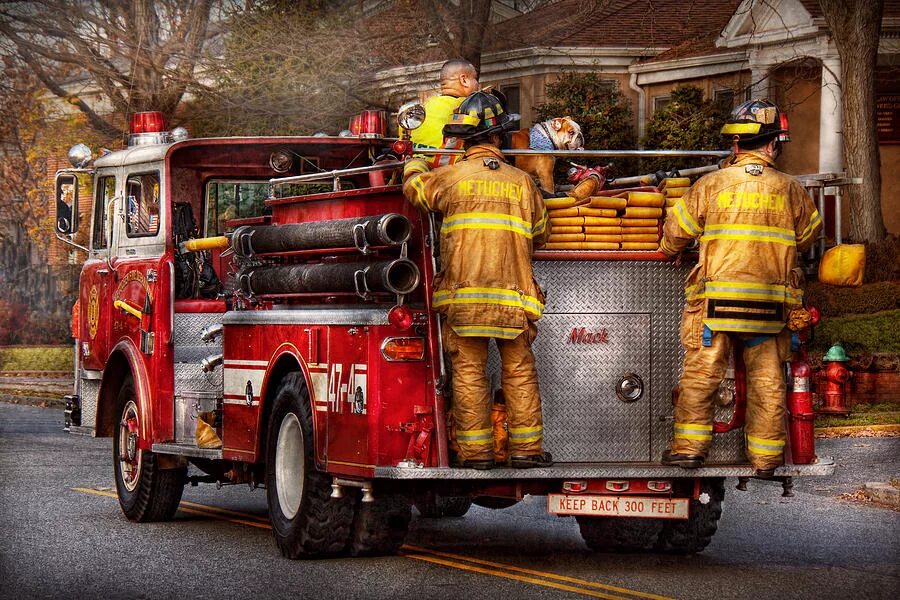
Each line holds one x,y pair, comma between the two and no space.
855,28
141,55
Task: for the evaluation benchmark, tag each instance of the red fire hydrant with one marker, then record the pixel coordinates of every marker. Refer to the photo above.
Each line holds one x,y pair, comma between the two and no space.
835,375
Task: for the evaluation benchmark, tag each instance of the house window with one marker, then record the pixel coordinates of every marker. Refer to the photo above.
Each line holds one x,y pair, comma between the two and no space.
660,102
725,98
513,98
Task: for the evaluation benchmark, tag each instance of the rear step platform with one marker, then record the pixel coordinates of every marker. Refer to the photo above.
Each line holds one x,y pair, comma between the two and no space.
187,450
823,466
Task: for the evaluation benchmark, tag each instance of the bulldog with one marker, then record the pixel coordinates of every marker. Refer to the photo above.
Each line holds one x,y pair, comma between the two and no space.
561,133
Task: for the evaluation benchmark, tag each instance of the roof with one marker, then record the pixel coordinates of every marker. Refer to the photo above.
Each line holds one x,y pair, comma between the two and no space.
617,23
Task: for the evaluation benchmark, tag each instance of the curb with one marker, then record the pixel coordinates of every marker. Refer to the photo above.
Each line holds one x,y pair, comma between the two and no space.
856,430
45,402
883,493
54,374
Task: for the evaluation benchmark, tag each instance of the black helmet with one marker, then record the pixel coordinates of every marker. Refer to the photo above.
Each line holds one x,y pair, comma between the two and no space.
756,121
480,115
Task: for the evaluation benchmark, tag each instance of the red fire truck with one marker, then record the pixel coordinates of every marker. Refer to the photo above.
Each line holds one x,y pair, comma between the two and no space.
275,292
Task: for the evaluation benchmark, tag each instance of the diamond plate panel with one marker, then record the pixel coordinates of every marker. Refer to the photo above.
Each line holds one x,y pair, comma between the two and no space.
580,290
583,418
186,336
189,376
90,391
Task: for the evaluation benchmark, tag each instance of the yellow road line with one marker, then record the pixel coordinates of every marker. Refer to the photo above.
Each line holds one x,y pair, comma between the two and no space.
508,567
495,573
201,509
432,556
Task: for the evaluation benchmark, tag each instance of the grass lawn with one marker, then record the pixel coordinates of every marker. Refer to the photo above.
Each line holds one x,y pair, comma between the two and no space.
885,413
36,358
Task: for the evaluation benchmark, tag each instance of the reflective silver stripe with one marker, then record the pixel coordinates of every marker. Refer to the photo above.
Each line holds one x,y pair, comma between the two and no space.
712,231
467,223
694,430
474,436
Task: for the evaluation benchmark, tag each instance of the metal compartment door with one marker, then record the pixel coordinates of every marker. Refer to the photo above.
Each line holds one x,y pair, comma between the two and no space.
581,358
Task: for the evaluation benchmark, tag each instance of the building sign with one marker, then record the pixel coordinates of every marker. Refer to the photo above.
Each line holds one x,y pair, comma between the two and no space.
888,118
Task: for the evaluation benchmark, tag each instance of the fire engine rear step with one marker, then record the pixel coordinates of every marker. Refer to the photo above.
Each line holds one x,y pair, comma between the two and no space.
187,450
824,466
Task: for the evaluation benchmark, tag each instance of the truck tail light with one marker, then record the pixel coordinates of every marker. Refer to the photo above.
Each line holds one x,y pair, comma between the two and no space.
400,317
403,349
148,122
574,487
659,486
617,485
76,320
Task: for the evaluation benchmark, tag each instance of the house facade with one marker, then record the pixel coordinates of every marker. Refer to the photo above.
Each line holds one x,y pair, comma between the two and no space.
732,49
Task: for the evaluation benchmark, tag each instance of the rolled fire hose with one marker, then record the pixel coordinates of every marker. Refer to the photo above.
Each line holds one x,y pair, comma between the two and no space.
391,229
646,199
399,276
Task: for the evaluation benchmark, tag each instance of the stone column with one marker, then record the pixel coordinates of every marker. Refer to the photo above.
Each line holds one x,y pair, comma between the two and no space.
759,81
831,147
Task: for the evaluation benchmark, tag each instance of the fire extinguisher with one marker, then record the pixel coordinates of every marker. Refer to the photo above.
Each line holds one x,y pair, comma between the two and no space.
800,410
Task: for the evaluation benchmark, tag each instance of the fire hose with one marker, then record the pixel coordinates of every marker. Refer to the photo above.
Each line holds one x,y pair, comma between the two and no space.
391,229
398,276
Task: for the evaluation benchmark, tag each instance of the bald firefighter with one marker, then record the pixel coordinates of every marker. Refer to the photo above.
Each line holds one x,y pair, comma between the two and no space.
459,79
493,217
751,221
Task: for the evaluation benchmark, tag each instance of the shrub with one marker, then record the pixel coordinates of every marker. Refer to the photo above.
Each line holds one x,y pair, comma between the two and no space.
604,114
833,301
876,332
883,260
12,317
687,122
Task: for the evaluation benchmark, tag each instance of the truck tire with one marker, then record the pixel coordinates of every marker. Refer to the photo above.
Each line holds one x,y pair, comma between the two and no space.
306,521
436,506
694,534
380,527
146,492
619,534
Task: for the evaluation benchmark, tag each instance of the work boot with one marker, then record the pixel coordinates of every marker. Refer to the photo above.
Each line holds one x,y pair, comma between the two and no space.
531,461
482,464
765,473
685,461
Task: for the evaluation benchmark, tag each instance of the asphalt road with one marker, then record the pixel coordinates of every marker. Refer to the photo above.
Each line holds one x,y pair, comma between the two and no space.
62,535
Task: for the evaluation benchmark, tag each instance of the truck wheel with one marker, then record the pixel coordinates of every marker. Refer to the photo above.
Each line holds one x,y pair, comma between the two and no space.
436,506
146,492
619,534
380,527
306,521
694,534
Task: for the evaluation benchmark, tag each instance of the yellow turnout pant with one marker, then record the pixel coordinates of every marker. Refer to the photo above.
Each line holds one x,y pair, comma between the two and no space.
472,397
704,369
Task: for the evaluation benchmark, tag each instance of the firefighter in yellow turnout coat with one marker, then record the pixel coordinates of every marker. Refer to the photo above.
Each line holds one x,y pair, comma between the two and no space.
493,217
751,221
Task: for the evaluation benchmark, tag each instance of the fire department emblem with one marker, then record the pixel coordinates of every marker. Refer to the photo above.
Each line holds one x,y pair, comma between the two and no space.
93,312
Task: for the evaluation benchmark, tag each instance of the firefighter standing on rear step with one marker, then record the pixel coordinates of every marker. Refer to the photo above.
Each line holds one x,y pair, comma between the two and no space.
751,221
493,216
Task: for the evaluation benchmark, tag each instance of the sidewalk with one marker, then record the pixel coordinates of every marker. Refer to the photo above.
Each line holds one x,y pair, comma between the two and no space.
39,388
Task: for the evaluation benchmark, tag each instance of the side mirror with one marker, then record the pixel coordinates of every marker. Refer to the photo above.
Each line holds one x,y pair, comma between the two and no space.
66,203
411,116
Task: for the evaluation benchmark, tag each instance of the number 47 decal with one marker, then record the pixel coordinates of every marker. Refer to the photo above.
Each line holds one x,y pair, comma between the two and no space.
347,388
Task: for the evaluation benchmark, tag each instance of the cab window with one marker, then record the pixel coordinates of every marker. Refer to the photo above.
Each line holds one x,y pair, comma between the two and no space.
106,191
142,205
